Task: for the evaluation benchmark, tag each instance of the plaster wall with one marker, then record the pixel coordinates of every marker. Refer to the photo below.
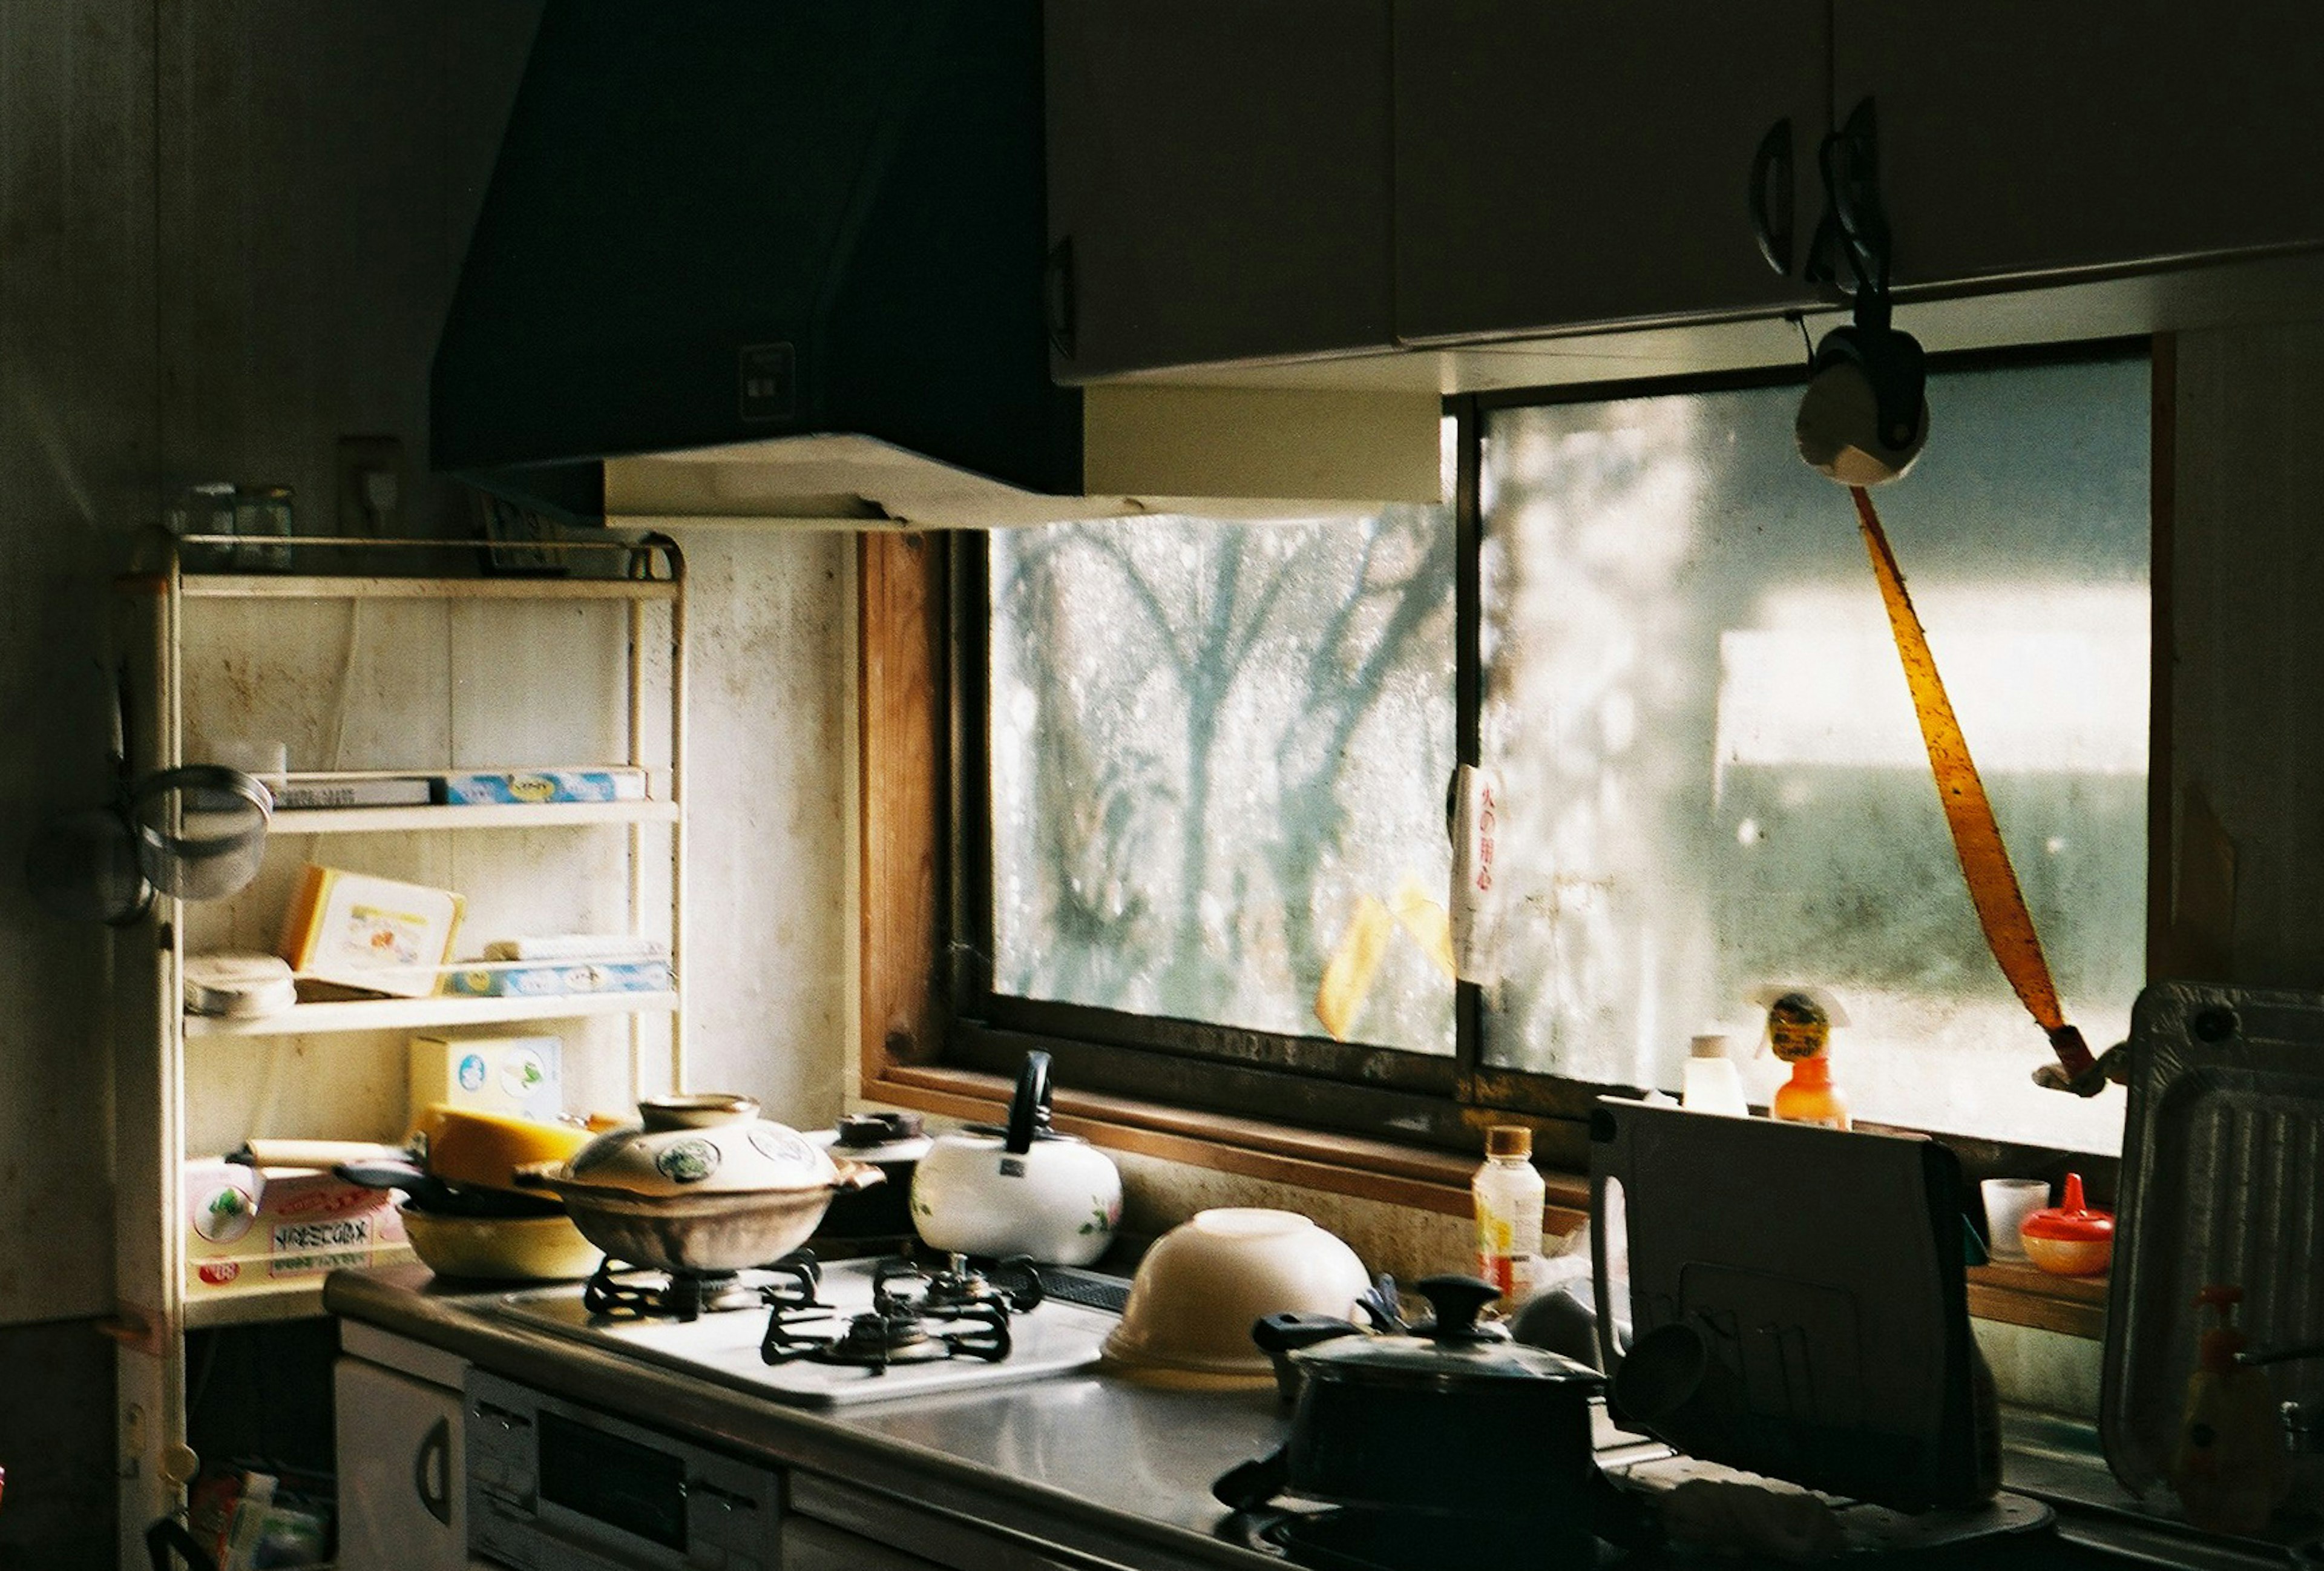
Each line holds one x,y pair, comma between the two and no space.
231,230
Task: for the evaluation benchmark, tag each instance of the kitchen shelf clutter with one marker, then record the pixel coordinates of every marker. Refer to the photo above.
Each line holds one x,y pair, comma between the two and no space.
481,778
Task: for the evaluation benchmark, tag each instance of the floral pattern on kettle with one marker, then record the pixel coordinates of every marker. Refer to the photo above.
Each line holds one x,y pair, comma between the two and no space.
1105,1214
688,1161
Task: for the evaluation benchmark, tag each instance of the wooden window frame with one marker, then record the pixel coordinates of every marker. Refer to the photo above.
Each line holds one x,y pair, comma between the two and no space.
1409,1137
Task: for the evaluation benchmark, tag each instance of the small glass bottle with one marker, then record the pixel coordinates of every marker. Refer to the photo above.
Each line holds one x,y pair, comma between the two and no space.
263,515
1508,1195
1712,1083
1800,1032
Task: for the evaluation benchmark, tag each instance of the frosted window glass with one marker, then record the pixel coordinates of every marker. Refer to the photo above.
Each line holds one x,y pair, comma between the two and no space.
1212,745
1712,781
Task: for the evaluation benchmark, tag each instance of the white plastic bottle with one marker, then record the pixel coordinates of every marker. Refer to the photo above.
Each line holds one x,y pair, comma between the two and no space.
1508,1195
1712,1083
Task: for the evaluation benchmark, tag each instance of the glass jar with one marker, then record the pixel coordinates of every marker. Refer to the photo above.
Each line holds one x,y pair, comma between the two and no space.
263,521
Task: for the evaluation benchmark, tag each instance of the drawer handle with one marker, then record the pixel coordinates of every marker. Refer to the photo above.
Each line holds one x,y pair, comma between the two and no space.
431,1473
1771,196
1059,292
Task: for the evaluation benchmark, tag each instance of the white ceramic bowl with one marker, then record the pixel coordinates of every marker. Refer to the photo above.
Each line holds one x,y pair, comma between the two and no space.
1204,1283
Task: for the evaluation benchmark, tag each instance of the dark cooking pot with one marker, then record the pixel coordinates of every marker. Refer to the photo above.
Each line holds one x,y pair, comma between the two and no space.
1453,1418
893,1143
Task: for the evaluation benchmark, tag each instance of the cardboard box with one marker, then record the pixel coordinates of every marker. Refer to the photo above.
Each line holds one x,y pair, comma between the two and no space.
368,932
249,1227
545,785
524,1076
555,980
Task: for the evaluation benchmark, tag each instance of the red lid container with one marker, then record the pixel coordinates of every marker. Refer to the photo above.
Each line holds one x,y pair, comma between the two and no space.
2070,1239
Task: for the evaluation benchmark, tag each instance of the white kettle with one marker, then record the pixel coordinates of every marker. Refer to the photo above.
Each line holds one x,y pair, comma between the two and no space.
1023,1190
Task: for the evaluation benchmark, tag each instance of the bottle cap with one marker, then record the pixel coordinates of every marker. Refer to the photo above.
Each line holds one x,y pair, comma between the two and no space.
2215,1349
1509,1139
1707,1045
1798,1027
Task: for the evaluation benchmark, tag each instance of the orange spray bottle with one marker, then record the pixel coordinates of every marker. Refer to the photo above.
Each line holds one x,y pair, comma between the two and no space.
2229,1468
1799,1029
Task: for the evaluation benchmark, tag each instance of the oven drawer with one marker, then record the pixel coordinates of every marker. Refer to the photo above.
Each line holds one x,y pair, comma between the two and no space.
813,1547
860,1527
553,1485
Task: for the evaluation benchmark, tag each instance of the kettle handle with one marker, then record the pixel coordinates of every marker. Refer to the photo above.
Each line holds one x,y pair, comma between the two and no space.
1028,1109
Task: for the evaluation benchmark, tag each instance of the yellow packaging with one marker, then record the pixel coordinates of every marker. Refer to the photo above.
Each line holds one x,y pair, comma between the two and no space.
367,932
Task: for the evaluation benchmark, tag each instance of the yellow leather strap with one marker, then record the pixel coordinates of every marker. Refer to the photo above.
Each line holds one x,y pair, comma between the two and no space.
2001,909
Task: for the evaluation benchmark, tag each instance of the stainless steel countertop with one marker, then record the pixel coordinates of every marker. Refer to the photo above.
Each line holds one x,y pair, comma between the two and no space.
1087,1463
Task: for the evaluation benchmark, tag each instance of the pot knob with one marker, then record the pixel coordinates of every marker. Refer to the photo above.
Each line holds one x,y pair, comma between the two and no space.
1458,1300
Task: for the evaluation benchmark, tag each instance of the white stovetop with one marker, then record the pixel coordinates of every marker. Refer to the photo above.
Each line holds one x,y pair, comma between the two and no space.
1052,1338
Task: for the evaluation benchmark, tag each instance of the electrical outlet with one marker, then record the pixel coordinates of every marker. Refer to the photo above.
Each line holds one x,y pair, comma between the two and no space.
373,485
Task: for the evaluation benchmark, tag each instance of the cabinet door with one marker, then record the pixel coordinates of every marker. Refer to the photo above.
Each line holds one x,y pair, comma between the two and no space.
1218,181
1588,162
403,1505
2029,139
813,1547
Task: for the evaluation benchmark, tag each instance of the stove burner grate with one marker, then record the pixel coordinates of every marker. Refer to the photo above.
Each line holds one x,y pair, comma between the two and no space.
916,1317
621,1292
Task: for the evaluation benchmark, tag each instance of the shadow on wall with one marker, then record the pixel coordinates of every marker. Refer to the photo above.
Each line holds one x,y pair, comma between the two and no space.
56,1441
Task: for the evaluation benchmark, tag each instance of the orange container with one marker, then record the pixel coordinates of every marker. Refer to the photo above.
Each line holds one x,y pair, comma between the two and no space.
2070,1239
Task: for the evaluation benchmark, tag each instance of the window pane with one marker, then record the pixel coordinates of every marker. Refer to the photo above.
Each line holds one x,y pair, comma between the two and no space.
1711,776
1219,754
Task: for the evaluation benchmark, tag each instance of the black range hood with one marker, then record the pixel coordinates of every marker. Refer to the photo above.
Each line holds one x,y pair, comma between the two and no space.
720,223
783,260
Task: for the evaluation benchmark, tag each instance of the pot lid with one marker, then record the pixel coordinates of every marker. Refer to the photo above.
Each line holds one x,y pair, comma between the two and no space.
1452,1348
710,1144
879,1138
2070,1220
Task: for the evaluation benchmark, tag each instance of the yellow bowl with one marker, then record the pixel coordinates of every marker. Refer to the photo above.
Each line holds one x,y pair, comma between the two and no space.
1203,1283
483,1150
500,1248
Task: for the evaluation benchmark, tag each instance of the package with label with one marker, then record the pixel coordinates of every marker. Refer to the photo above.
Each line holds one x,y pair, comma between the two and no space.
249,1227
545,785
546,980
368,932
379,790
524,1076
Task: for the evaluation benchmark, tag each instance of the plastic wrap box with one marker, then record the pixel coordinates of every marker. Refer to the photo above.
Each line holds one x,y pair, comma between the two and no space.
559,979
249,1227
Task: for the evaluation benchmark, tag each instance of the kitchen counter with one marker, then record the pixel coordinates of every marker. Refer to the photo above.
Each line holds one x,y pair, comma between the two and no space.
1095,1466
1099,1467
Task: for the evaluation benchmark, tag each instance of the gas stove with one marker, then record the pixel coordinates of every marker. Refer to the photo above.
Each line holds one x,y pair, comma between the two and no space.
819,1335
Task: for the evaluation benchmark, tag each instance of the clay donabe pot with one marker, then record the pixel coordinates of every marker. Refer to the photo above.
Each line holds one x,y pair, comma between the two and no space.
1455,1417
700,1183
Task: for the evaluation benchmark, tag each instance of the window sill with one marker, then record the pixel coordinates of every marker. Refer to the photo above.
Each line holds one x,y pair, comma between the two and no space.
1335,1164
1396,1175
2022,1295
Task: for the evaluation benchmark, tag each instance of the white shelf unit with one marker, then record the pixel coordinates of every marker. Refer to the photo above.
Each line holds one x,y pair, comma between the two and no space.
402,676
375,1014
402,820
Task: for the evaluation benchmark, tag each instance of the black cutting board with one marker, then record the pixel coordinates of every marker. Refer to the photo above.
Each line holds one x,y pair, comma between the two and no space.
1824,1269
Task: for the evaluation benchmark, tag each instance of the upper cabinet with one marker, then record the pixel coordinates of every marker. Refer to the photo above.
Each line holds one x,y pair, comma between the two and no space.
1235,185
2032,140
1570,164
1218,181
